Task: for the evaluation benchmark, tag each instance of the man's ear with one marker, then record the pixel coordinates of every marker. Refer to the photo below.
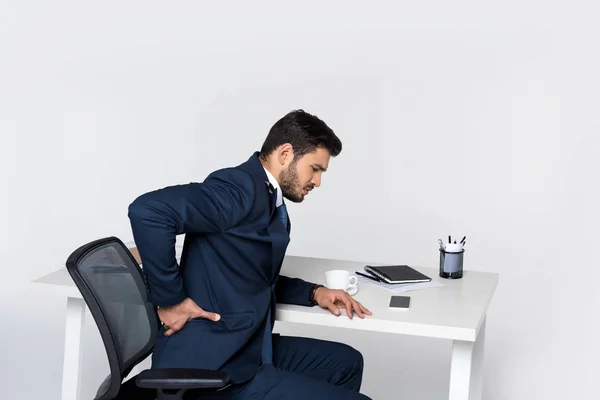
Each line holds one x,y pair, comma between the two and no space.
285,154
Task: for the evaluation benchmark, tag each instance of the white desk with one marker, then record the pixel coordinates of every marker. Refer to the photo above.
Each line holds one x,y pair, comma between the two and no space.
455,311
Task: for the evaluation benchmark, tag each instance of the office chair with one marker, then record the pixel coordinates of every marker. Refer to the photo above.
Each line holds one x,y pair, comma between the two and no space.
114,288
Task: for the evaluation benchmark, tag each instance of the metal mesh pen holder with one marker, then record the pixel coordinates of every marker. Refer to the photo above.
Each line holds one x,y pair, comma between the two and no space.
451,264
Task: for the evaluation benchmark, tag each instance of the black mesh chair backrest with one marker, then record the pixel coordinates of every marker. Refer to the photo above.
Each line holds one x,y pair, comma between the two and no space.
114,289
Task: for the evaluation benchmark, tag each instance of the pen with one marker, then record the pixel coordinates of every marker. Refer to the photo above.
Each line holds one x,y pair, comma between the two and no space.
463,239
368,276
449,239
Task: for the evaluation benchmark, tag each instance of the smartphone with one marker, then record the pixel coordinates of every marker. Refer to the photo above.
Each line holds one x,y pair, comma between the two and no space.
400,302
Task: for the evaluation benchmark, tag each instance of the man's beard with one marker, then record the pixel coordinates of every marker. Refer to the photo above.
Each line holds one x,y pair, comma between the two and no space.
290,183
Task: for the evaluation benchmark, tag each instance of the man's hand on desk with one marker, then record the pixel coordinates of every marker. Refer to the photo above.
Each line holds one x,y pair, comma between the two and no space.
175,317
334,299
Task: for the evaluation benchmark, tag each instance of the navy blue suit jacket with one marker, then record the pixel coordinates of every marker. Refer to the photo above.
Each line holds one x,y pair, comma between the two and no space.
233,251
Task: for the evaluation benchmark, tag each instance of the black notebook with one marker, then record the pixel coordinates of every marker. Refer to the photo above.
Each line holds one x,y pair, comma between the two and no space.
397,274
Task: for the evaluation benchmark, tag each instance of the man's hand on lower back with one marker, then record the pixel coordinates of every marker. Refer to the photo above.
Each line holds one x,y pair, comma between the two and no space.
175,317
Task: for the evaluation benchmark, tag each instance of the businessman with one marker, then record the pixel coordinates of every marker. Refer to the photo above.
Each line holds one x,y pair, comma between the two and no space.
217,307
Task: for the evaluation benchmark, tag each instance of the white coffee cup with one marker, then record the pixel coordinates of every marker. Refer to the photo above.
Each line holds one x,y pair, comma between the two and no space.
341,279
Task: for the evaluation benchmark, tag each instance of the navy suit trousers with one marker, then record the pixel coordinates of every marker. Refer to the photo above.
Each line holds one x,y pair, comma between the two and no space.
303,368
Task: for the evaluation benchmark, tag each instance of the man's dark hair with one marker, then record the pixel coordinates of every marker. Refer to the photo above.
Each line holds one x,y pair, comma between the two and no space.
305,132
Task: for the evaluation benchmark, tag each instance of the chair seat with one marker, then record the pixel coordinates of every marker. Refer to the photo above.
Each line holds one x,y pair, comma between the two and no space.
182,378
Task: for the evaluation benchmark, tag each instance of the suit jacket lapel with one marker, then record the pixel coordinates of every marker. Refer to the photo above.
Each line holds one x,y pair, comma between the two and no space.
273,199
278,236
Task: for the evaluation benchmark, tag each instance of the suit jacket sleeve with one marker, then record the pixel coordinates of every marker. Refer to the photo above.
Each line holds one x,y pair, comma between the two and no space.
293,291
157,217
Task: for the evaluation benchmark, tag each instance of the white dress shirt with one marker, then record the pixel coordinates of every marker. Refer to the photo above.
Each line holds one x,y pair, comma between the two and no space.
273,181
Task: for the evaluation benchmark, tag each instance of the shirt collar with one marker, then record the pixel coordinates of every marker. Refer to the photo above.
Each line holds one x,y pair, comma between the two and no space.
275,184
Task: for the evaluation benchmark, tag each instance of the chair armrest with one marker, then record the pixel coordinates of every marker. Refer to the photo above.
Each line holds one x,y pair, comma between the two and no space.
182,378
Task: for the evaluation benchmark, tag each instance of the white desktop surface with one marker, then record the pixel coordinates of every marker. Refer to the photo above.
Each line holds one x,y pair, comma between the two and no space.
456,311
452,311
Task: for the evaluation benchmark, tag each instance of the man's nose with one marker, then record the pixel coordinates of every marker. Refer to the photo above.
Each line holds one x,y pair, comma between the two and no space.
316,180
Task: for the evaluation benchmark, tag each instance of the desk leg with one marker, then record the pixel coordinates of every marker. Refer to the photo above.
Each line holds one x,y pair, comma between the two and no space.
73,346
466,373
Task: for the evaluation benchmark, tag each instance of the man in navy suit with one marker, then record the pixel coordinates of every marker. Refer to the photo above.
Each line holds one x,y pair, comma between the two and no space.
217,306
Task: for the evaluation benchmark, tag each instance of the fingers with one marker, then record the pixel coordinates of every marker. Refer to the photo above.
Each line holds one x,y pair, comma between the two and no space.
360,309
348,303
169,332
351,305
356,308
340,300
171,329
334,310
198,312
364,309
210,315
174,326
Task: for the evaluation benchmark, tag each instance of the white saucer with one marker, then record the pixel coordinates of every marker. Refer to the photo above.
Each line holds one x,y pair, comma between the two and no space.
352,291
